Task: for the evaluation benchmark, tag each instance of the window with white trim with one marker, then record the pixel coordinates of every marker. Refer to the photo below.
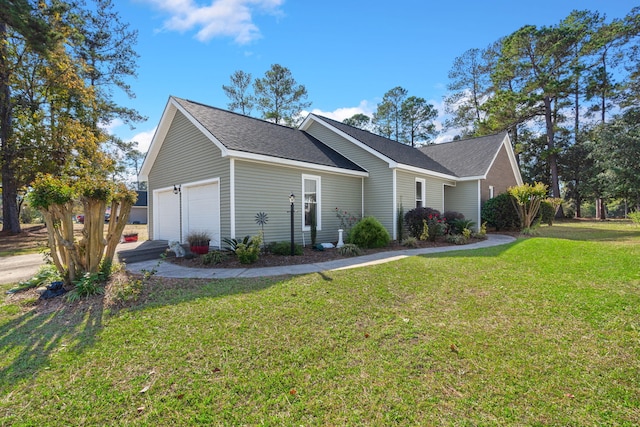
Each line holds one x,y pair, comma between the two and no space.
311,192
491,191
420,192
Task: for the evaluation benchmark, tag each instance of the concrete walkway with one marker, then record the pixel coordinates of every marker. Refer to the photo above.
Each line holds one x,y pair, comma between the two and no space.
167,269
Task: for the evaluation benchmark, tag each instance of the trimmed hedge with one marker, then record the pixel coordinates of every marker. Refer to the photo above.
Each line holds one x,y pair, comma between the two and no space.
369,233
500,213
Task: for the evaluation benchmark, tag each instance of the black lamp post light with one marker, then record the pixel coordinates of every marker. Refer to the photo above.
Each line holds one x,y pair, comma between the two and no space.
292,200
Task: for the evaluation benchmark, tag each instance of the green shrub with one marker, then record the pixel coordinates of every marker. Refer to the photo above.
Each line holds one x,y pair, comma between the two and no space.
284,248
249,253
634,217
400,223
458,225
547,212
88,285
233,243
414,220
500,213
449,217
349,249
46,274
410,242
213,257
369,233
457,239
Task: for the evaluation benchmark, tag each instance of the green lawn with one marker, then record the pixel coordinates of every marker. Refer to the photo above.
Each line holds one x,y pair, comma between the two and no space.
544,331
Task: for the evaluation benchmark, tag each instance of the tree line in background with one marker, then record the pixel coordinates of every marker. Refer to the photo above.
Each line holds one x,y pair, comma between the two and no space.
280,99
60,61
568,95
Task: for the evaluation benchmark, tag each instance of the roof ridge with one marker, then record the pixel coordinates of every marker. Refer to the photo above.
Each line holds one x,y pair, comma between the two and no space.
468,139
233,112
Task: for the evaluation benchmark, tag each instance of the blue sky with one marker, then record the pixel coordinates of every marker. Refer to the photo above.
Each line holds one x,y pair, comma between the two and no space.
346,53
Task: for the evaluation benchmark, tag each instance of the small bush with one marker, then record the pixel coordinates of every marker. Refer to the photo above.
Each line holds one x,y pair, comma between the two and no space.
547,213
213,257
88,285
634,217
349,249
410,242
233,243
450,217
46,274
457,239
284,248
369,233
249,253
500,213
459,225
413,220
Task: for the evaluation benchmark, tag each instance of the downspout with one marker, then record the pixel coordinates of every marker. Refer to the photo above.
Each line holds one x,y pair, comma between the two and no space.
232,198
395,208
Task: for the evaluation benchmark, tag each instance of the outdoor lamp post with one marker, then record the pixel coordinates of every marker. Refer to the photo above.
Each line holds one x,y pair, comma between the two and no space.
292,200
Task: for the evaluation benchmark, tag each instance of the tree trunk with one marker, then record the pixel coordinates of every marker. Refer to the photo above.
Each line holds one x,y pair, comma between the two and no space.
10,217
551,146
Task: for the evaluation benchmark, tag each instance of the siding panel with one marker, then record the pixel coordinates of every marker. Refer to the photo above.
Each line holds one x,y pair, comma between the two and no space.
259,188
188,156
463,198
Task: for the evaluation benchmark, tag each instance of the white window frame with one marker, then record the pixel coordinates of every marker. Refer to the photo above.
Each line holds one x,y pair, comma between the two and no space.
317,180
491,191
423,196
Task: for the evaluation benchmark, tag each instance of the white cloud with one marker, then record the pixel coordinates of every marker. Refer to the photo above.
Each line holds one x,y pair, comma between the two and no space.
144,139
340,114
221,18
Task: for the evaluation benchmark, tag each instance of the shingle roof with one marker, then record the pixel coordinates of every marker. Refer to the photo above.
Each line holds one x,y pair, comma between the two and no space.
251,135
398,152
467,157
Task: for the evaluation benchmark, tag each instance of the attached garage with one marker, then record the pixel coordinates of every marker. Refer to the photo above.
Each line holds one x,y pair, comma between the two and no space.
196,207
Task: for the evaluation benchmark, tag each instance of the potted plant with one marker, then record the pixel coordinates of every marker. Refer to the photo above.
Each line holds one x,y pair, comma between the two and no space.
130,237
199,242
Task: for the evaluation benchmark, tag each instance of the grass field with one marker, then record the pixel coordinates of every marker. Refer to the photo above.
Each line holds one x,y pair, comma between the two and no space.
544,331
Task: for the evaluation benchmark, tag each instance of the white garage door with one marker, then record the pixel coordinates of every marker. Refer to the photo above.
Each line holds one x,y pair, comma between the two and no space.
201,204
166,215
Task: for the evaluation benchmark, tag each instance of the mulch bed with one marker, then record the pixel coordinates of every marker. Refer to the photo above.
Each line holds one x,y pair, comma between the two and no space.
309,256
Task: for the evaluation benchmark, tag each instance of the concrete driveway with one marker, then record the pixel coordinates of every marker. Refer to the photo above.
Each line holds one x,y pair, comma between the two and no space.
14,269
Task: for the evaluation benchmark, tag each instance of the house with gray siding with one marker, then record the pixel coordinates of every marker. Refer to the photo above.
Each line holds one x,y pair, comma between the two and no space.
214,170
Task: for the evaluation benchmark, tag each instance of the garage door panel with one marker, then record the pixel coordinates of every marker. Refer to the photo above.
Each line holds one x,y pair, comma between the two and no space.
202,210
167,216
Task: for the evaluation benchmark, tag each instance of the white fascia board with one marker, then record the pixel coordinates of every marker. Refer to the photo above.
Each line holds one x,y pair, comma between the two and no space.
243,155
427,172
311,118
472,178
161,133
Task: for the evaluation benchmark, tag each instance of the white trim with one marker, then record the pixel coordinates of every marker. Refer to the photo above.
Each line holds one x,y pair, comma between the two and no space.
479,206
491,191
232,198
261,158
427,172
444,208
423,195
362,197
318,180
394,211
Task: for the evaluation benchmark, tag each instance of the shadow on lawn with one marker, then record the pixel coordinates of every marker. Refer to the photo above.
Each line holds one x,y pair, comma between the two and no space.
29,340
